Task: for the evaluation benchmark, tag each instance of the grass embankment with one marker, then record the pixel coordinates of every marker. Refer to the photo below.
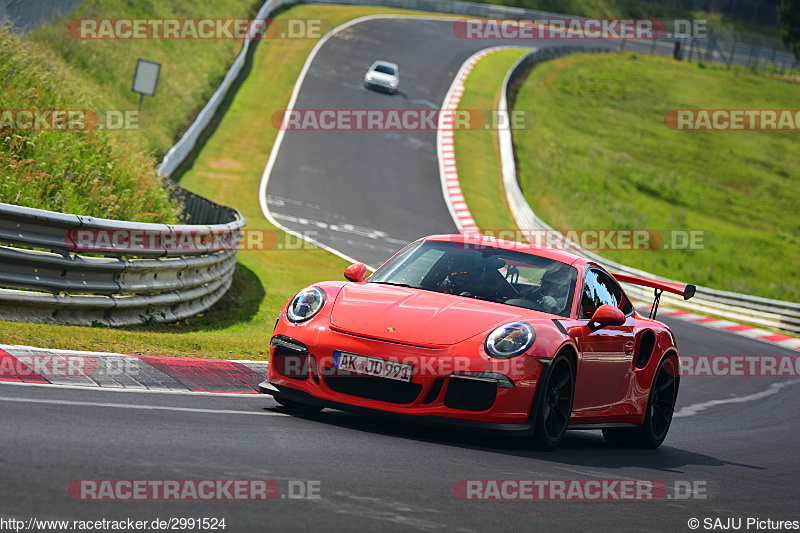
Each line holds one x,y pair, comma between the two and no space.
228,169
85,172
108,174
191,70
601,156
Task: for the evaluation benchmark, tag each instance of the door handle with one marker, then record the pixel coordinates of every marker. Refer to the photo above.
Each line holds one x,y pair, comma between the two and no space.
628,347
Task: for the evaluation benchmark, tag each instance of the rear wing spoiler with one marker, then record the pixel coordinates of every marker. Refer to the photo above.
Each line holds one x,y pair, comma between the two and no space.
687,291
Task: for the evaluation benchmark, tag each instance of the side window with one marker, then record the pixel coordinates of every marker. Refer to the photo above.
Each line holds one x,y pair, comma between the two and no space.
600,289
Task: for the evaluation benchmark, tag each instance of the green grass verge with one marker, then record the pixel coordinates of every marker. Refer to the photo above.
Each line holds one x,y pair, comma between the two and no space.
107,174
72,171
191,70
227,169
600,156
476,151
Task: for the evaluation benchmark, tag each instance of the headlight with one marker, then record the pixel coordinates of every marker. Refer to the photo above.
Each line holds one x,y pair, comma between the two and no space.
510,340
305,304
368,77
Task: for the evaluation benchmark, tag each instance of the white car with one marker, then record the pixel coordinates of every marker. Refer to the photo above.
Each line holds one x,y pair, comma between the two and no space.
383,75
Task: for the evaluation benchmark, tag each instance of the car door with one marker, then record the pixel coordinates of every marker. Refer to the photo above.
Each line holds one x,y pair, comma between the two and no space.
606,354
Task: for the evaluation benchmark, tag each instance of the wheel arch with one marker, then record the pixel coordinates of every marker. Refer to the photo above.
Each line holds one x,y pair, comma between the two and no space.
571,352
670,352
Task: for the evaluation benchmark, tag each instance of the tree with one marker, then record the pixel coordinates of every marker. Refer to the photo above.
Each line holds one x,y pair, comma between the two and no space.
790,25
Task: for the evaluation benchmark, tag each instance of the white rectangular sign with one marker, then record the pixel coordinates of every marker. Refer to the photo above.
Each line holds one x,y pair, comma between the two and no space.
146,77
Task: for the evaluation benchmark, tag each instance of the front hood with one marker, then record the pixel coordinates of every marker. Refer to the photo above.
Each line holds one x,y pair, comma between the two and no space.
413,316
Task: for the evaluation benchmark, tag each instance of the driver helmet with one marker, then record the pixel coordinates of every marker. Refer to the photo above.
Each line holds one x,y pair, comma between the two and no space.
557,277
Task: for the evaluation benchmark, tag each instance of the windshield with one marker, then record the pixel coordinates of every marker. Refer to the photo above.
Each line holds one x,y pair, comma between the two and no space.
384,70
503,276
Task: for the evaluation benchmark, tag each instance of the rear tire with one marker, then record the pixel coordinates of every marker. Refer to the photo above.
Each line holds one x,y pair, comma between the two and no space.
660,408
555,407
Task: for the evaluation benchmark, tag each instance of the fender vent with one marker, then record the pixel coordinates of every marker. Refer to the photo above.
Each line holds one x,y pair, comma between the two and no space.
647,341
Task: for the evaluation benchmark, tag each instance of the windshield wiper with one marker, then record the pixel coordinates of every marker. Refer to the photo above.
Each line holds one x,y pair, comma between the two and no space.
399,284
484,298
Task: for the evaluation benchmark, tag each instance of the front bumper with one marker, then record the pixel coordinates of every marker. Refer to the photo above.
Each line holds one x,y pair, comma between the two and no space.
524,428
434,392
384,86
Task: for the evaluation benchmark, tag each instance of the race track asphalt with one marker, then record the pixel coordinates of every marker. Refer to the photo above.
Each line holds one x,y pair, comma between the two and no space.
370,193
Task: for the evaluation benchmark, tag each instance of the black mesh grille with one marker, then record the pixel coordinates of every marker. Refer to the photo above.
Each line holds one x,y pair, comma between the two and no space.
374,388
290,365
470,395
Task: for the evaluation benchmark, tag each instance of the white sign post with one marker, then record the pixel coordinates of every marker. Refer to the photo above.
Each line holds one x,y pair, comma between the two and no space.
145,79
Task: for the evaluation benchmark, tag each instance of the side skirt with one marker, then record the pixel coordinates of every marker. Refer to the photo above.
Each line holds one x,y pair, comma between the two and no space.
603,426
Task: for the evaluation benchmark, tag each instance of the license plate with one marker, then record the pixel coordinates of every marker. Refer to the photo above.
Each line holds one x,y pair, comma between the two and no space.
373,366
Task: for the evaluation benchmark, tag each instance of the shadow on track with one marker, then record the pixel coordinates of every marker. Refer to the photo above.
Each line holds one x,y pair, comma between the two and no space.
579,448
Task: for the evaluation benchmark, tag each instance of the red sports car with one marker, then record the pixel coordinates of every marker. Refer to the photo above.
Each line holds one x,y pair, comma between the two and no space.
485,334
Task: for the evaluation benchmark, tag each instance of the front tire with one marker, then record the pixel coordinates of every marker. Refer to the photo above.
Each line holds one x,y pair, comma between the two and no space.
555,407
660,408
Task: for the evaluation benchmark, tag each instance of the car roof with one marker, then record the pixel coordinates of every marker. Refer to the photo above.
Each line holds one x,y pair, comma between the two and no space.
533,249
386,64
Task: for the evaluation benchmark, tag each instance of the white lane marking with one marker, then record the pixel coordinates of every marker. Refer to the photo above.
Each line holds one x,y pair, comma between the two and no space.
279,201
692,410
253,394
23,349
143,407
276,146
342,228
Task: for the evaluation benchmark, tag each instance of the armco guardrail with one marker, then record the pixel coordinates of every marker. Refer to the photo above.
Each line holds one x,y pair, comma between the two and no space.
167,273
775,314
